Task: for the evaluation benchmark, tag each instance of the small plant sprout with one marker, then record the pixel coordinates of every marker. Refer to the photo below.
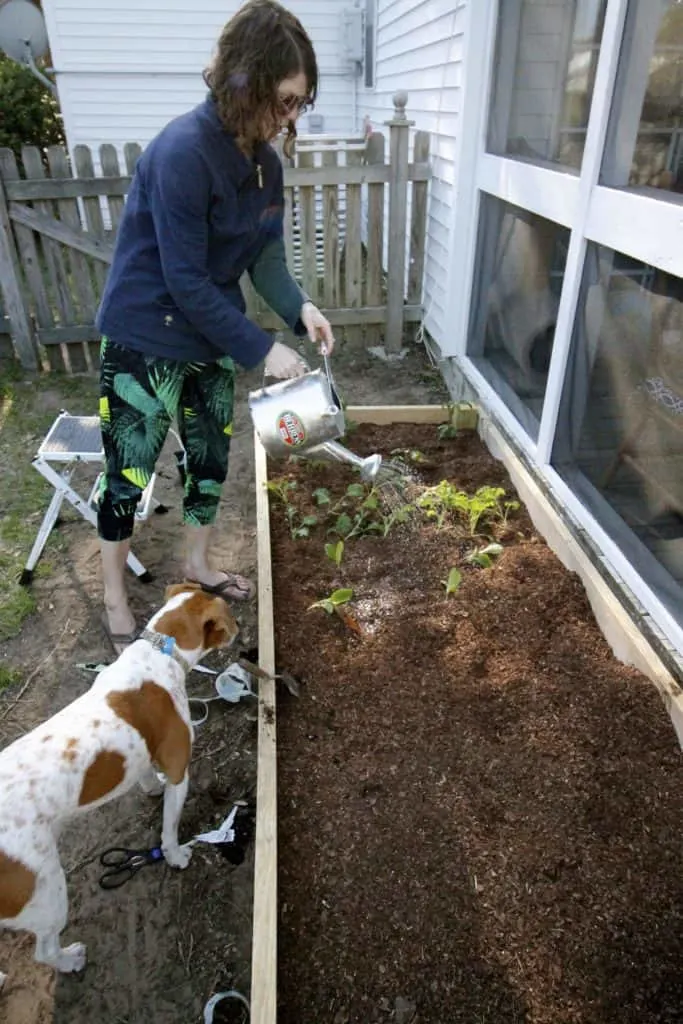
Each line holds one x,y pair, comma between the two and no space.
449,430
299,526
484,556
335,552
413,455
484,506
453,582
280,486
299,529
337,599
321,496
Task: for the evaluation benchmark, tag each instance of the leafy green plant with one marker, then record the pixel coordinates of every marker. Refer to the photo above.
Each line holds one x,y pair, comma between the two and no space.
335,552
321,496
413,455
484,505
447,431
281,486
30,113
484,556
337,599
437,502
453,582
299,525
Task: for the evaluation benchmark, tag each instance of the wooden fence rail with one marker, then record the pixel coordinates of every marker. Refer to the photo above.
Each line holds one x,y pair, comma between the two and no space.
345,208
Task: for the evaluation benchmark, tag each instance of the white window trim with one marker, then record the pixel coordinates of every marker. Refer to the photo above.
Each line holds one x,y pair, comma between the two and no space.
531,186
637,223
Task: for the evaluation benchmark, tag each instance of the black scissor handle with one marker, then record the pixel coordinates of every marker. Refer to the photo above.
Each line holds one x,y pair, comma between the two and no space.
118,856
115,877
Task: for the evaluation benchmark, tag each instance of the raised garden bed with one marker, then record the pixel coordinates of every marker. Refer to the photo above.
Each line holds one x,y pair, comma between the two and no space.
479,808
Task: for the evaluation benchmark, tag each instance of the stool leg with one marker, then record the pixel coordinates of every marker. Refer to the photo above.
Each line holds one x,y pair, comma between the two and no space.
138,568
82,506
49,520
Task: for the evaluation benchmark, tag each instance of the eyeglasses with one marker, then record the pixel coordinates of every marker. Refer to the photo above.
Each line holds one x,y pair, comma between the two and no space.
293,104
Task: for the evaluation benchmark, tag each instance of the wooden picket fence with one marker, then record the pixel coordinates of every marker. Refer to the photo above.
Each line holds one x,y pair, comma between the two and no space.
346,205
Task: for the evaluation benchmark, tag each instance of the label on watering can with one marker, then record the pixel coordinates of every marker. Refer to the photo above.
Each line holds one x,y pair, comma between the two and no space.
291,429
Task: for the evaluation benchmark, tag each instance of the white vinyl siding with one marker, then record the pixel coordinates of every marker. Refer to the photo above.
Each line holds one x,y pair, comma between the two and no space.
420,48
125,68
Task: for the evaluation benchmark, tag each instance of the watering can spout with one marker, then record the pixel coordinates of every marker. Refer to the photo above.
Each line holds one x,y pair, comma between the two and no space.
369,467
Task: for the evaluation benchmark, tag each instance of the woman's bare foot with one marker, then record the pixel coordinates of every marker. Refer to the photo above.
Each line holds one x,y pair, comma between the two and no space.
119,625
228,585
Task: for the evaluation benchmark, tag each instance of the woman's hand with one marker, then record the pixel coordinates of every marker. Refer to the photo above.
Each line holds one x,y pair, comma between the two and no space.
283,361
318,327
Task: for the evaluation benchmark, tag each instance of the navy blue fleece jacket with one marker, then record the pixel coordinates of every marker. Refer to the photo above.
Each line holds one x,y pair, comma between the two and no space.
198,214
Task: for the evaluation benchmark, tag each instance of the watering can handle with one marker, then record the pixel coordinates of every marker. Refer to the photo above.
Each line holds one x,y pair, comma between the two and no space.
328,373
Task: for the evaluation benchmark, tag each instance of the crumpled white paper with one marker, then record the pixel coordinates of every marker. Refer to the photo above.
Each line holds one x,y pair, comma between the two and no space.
225,833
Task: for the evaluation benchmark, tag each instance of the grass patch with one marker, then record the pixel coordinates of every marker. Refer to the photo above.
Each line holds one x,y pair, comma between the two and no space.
27,408
8,677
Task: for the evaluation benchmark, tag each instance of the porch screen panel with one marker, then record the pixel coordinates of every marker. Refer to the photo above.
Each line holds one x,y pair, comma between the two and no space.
520,266
619,440
546,57
645,139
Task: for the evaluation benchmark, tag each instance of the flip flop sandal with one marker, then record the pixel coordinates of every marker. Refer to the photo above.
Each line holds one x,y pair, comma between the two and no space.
118,639
233,588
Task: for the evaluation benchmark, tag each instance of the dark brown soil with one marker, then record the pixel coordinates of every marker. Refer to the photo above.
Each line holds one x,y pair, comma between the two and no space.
480,809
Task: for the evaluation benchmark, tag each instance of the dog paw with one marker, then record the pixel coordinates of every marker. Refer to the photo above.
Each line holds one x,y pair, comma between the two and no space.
179,856
152,788
71,958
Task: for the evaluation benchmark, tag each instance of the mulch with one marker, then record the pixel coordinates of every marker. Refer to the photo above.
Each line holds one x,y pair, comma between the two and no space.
480,809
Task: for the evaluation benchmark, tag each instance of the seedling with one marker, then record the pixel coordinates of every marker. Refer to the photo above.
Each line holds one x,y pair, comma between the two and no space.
302,528
413,455
280,486
484,505
321,496
484,556
335,552
299,526
449,430
337,599
453,582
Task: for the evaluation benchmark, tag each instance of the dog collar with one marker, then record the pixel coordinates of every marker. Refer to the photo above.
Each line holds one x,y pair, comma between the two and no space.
167,645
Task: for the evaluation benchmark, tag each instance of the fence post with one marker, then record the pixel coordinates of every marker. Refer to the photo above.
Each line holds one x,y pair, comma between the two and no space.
399,138
20,324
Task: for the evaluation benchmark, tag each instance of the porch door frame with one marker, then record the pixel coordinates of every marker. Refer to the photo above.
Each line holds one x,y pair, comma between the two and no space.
642,226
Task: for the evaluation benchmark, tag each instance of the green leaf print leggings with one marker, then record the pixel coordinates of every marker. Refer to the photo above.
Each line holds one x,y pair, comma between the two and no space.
139,397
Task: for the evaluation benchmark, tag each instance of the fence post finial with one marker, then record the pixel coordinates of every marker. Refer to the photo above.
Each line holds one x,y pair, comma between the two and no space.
400,101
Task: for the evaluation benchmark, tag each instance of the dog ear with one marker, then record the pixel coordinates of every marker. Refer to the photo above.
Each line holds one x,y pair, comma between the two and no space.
180,588
220,628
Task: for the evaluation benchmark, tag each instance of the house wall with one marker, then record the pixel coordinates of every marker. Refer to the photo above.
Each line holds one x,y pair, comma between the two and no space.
126,67
420,46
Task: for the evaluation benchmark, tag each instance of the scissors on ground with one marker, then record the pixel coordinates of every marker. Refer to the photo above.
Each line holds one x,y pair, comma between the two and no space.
122,864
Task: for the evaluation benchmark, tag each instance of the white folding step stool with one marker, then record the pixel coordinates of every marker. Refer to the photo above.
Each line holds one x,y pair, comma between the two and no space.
69,441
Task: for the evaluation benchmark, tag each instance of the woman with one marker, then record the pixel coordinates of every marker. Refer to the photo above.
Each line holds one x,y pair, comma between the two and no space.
205,204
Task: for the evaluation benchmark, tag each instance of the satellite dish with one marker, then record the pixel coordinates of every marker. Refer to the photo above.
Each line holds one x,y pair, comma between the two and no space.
23,35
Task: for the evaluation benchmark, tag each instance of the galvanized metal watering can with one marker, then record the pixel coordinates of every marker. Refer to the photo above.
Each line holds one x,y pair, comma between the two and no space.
303,416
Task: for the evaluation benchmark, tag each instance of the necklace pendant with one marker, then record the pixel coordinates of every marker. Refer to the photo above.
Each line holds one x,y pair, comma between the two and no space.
259,175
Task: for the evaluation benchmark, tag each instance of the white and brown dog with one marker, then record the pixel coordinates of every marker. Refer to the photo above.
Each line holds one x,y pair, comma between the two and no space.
132,721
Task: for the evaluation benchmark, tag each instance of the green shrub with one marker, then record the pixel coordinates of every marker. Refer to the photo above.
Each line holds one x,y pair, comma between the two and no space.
29,113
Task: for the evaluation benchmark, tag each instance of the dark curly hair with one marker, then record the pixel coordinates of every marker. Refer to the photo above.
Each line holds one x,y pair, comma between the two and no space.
260,47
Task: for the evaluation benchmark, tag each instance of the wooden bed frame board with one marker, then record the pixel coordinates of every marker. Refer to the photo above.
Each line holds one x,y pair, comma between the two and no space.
619,628
264,925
